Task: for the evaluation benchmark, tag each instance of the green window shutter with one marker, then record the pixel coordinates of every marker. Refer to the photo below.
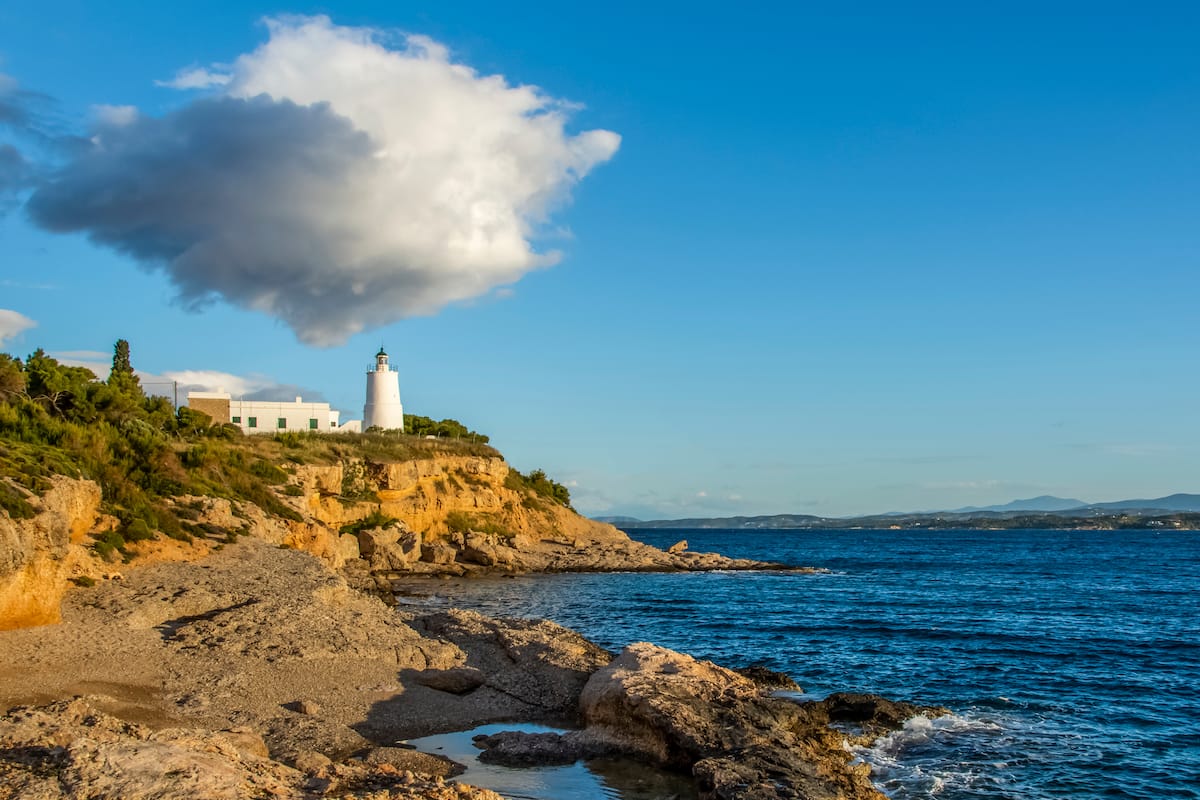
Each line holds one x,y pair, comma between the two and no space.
282,423
312,424
236,420
252,422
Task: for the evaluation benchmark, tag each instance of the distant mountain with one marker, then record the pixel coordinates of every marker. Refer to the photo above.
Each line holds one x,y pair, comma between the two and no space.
1036,512
617,520
1172,502
1043,502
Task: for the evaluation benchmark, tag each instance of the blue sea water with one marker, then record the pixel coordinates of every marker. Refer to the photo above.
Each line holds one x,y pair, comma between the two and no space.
1070,660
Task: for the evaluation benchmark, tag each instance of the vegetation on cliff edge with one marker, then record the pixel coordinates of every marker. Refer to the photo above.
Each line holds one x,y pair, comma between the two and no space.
57,419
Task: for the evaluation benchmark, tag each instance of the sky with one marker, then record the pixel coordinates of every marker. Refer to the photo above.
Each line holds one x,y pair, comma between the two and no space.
691,259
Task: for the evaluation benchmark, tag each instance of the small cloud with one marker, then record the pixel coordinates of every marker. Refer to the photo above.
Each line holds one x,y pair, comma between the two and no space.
12,324
241,387
1140,449
1126,449
115,115
964,485
191,78
701,493
504,292
8,284
67,356
933,458
735,498
98,362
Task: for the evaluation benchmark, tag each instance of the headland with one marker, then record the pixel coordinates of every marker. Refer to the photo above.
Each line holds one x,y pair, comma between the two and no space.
203,618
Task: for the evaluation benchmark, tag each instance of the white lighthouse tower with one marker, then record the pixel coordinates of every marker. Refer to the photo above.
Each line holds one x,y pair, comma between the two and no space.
383,409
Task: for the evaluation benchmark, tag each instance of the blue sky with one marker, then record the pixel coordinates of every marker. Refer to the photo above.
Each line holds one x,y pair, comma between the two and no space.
840,262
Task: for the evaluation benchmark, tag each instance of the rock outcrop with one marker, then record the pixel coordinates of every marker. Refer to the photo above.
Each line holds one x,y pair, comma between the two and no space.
465,514
39,555
442,515
736,739
71,750
259,668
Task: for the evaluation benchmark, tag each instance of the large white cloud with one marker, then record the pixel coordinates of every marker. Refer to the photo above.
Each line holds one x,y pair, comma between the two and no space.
333,181
13,323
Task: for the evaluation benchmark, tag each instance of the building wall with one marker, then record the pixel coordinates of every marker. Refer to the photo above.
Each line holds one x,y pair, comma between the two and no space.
266,416
215,407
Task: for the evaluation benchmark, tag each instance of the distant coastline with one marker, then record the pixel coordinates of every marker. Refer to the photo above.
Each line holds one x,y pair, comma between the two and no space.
1174,512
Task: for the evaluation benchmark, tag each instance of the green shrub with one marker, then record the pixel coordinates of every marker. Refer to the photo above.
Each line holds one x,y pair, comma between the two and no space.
268,472
290,438
137,531
108,543
12,501
416,425
227,431
458,522
376,519
463,522
84,581
537,481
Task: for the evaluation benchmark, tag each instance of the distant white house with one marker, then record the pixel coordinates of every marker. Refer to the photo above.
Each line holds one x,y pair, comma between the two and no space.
268,416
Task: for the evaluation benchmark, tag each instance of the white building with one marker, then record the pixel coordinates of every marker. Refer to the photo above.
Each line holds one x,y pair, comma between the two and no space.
383,409
265,416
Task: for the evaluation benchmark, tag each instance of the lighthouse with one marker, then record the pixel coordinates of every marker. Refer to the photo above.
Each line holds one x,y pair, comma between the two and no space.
383,409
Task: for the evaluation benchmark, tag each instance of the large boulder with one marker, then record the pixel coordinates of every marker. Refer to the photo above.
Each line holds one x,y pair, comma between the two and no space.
488,551
538,663
737,740
390,548
437,553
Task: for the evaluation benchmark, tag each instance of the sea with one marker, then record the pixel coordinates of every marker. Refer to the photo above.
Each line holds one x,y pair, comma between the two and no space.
1070,660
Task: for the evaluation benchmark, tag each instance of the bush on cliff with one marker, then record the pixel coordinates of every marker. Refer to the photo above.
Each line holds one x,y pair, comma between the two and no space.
58,419
540,483
463,522
376,519
416,425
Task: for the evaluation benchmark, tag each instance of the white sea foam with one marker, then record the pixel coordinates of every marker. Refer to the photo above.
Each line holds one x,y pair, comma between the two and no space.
930,756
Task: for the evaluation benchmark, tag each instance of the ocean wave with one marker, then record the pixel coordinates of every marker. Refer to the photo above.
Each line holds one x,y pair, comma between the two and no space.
930,756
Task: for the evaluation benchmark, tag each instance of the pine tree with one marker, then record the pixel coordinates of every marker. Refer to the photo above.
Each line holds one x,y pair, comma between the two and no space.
122,375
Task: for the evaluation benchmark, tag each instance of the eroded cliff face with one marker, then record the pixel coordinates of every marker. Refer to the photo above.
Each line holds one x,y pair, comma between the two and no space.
39,555
454,515
426,493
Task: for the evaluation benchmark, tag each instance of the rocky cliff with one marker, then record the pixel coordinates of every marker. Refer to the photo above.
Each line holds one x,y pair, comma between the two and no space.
440,495
374,519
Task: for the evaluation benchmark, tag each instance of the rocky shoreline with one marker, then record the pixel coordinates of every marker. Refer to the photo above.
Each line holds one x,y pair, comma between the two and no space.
258,671
372,543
